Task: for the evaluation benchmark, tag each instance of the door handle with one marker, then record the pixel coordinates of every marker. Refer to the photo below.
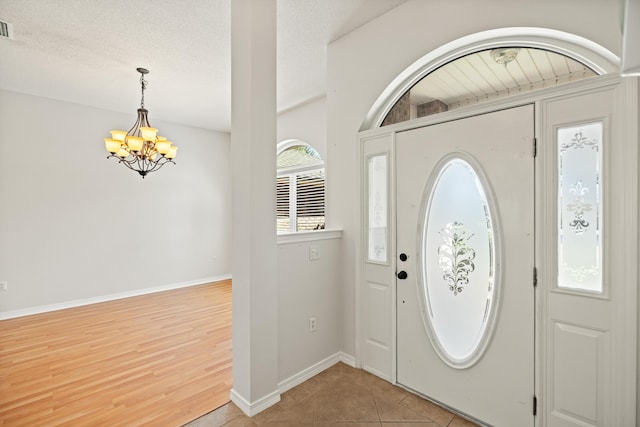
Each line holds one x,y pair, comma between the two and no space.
402,275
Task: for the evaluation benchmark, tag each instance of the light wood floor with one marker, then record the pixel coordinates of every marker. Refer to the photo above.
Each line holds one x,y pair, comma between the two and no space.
160,360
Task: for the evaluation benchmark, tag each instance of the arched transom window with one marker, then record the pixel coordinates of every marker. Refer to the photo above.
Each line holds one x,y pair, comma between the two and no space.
300,188
484,76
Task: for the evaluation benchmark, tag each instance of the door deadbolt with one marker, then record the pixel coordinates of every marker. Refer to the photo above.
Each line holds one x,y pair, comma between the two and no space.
403,257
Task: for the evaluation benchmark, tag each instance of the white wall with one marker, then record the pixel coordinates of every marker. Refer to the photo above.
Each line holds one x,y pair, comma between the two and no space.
306,122
74,225
307,289
361,65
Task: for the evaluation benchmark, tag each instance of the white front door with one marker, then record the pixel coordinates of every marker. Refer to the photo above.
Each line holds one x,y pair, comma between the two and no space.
465,246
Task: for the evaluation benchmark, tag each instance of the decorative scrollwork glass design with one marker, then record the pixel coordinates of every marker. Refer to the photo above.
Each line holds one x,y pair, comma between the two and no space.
580,207
455,256
457,267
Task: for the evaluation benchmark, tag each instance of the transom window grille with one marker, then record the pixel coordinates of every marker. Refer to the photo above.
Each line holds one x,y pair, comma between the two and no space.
300,188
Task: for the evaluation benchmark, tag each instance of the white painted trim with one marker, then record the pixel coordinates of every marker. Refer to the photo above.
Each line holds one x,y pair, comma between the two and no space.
626,319
593,55
309,372
251,409
308,236
347,359
110,297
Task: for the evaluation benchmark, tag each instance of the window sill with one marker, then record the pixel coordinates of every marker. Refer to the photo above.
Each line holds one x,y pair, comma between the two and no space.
308,236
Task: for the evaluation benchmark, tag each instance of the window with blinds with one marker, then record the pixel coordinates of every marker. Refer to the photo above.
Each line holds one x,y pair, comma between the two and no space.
300,190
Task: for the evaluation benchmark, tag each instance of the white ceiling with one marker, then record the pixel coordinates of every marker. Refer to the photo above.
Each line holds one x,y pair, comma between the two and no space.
87,52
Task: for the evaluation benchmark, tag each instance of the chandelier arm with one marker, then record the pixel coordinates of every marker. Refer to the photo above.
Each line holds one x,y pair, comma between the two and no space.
121,160
128,162
144,166
153,167
158,165
135,129
142,163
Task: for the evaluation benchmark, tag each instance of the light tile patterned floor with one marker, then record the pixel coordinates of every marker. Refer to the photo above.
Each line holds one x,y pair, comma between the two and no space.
340,396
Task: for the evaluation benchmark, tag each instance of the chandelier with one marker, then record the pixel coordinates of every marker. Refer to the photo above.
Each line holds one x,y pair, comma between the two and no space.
141,149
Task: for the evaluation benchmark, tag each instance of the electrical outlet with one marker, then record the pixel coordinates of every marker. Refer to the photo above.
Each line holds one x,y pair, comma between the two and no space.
312,324
4,285
314,253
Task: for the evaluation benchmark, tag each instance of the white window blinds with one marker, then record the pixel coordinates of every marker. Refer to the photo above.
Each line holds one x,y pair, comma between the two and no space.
300,190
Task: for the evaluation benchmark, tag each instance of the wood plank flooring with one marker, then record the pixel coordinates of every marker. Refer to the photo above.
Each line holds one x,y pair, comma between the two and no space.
161,359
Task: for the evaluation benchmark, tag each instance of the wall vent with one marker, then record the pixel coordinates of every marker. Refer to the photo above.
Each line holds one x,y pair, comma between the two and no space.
6,30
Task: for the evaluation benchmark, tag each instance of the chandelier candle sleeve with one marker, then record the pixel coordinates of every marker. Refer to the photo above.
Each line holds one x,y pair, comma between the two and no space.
138,148
172,152
162,145
118,135
149,134
112,145
135,143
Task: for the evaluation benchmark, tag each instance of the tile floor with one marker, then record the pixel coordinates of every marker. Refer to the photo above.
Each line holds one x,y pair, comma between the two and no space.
340,396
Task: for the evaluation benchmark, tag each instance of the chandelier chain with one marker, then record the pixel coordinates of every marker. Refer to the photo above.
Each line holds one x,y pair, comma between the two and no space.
143,85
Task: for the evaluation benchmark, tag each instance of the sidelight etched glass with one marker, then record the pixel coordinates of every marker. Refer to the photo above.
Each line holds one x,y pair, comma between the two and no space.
580,207
458,261
377,208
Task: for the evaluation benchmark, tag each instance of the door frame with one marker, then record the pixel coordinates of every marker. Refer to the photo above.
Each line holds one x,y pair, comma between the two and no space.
382,140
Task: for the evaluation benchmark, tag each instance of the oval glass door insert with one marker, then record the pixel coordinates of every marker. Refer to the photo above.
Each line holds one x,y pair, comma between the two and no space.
458,261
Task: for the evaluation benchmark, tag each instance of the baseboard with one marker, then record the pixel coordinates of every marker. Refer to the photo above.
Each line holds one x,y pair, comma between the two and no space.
251,409
347,359
94,300
314,370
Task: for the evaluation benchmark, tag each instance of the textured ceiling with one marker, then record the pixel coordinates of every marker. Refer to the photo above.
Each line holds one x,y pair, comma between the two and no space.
86,52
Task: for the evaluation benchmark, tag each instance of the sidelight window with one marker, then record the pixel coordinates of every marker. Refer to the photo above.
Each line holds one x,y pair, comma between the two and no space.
580,207
377,207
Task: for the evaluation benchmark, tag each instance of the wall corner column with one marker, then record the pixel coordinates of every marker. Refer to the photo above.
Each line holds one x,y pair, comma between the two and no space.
254,246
